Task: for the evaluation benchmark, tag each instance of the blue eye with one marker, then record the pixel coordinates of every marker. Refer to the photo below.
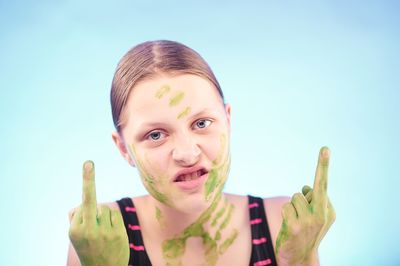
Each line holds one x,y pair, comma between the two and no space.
155,135
202,123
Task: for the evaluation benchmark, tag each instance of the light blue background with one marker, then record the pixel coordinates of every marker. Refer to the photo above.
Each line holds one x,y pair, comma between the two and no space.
299,75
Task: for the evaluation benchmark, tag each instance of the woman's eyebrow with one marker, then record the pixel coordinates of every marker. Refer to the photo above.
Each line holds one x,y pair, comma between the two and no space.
202,112
145,125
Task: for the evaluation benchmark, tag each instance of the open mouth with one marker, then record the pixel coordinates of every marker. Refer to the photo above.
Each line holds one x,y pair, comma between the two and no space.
191,176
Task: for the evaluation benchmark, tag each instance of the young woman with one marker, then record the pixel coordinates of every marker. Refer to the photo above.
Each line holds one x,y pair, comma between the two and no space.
173,125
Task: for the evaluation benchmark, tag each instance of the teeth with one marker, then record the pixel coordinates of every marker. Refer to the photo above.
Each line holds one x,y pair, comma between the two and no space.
189,177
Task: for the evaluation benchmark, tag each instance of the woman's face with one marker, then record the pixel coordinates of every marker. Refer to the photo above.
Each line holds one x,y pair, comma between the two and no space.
176,130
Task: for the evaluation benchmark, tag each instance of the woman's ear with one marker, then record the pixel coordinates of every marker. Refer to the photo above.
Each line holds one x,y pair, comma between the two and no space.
120,143
228,113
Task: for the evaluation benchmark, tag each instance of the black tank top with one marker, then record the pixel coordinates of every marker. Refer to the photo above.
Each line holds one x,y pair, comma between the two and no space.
262,251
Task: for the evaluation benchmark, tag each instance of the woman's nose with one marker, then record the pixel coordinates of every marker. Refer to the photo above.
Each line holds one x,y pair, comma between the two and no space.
186,153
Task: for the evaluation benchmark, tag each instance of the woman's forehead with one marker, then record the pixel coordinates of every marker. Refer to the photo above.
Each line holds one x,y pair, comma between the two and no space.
175,97
173,93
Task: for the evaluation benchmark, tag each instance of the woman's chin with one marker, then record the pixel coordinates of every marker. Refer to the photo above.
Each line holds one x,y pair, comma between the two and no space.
191,204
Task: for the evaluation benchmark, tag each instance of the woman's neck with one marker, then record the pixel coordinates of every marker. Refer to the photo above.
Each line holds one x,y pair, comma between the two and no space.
212,228
170,221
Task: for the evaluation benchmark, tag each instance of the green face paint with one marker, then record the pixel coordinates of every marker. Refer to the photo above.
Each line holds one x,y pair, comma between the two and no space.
184,113
211,182
219,218
174,249
163,90
177,98
219,171
148,180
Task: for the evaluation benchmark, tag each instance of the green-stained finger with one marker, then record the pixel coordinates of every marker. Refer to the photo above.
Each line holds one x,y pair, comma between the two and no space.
300,204
116,218
289,212
76,217
321,180
104,216
305,189
307,192
89,203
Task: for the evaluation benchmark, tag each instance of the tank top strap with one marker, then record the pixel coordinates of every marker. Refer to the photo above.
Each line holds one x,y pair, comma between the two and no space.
138,255
262,251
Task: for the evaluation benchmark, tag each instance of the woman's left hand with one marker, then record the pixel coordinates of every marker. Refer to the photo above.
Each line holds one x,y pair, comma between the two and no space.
306,219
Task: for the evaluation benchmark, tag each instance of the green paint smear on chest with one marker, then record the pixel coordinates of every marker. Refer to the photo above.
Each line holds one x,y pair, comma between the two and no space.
148,180
163,90
228,242
177,98
160,217
219,213
225,221
184,112
174,249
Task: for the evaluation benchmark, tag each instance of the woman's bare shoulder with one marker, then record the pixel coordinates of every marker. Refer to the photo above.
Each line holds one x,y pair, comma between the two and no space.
273,210
137,201
275,203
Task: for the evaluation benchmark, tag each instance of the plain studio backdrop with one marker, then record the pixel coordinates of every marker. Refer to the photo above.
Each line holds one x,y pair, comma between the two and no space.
299,75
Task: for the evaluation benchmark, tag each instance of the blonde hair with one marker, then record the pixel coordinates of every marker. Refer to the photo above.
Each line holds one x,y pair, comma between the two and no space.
149,59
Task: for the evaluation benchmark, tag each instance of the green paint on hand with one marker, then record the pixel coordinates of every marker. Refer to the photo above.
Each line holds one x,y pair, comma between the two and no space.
163,90
282,236
184,112
177,98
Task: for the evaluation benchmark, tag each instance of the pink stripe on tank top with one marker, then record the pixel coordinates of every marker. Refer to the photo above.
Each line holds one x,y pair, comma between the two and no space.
136,248
256,221
262,262
259,241
253,205
134,227
130,209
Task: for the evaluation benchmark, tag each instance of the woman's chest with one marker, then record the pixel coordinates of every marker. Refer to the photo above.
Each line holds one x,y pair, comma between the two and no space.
232,247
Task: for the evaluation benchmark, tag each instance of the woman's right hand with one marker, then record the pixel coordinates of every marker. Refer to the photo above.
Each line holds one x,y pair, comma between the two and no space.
97,233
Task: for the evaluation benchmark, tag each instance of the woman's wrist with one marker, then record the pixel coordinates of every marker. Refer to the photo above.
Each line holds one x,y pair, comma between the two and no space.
311,260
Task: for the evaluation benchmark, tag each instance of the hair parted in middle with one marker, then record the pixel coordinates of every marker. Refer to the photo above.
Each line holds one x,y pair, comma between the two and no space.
149,59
